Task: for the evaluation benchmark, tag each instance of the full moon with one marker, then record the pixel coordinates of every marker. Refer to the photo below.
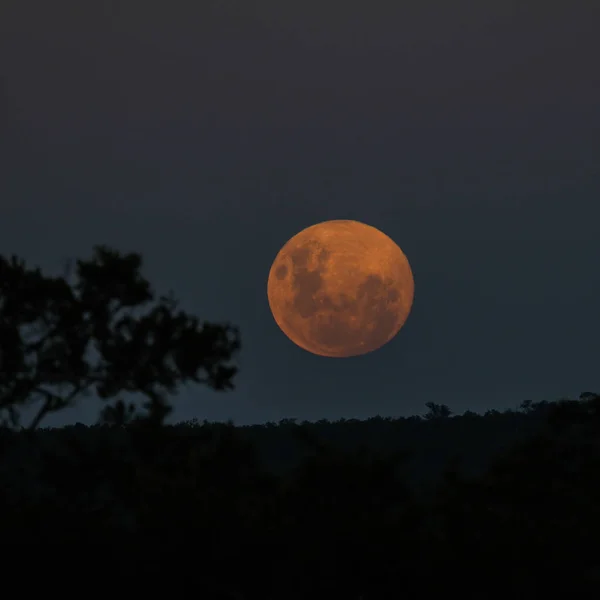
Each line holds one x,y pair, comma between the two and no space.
340,288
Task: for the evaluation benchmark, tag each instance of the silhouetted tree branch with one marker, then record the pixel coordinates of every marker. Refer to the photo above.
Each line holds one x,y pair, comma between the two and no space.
61,339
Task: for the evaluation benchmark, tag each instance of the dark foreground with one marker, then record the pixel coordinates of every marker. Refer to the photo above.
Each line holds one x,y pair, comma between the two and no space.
167,511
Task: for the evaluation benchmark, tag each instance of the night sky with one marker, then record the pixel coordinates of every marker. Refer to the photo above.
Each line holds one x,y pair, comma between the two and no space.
205,134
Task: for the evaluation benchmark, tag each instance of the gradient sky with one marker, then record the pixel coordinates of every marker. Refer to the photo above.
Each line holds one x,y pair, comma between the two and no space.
205,134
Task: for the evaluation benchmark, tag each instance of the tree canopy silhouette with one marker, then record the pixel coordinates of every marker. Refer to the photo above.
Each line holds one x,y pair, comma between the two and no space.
436,411
345,520
61,339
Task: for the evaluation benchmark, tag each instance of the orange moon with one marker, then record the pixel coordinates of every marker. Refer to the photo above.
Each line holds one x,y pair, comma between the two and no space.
340,288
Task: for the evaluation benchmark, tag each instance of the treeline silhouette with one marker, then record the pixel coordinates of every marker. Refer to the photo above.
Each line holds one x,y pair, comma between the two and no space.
505,504
502,503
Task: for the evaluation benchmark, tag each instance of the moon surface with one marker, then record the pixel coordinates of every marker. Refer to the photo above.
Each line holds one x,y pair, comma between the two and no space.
340,288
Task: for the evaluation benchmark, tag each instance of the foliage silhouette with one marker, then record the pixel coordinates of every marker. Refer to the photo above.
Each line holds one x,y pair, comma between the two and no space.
60,340
343,520
436,411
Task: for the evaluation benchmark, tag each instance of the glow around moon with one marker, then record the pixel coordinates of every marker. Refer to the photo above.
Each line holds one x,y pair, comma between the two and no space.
340,288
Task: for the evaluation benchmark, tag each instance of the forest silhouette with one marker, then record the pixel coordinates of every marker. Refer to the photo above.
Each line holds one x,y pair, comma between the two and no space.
504,504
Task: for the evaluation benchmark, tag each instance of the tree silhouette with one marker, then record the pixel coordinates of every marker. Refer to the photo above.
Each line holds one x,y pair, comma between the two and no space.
436,411
60,340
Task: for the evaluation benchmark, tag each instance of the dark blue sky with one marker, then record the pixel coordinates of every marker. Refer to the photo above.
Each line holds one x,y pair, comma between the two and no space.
205,134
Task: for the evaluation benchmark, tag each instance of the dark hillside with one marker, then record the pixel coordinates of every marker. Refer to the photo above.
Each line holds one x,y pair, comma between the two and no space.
429,444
